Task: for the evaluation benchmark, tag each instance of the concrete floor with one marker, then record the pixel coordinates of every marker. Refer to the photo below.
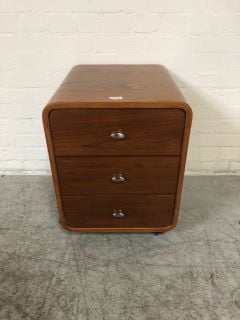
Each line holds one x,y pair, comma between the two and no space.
192,272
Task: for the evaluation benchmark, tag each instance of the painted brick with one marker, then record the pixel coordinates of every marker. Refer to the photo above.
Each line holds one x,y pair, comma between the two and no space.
229,153
60,23
197,62
20,111
6,62
173,23
32,140
219,80
146,23
108,6
36,153
200,24
231,62
11,167
8,23
235,166
4,140
16,153
25,126
178,6
216,112
221,167
111,23
37,165
215,140
33,22
229,23
118,44
223,6
193,154
62,6
208,154
4,125
217,126
91,23
14,6
228,96
6,95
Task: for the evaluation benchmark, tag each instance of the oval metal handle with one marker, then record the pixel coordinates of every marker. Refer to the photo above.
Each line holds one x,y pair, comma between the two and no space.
118,213
118,178
117,135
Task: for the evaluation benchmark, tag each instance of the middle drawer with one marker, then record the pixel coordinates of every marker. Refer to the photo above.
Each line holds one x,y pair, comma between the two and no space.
118,175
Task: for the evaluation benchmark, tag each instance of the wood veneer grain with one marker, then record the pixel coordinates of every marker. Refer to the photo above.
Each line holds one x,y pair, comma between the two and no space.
93,175
97,211
87,132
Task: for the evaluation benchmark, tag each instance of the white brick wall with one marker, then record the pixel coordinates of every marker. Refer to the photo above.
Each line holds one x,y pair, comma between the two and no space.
199,41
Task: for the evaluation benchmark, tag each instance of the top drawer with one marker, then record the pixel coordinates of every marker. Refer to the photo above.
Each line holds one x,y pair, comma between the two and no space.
77,132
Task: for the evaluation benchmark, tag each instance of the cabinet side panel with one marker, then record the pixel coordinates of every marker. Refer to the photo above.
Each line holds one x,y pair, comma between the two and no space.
186,134
45,117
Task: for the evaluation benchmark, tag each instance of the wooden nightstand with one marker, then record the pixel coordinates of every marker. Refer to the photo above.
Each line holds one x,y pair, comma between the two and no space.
117,138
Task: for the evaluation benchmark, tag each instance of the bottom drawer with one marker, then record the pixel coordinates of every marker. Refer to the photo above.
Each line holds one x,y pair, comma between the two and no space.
150,211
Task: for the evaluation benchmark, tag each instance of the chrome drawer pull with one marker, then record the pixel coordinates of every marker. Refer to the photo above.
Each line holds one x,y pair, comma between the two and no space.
118,178
117,135
118,213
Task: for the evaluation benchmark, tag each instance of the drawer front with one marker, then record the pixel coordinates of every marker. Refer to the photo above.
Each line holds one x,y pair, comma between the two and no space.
77,132
118,175
118,211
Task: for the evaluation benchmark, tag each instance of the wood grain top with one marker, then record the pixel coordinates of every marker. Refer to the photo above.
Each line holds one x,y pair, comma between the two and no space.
134,83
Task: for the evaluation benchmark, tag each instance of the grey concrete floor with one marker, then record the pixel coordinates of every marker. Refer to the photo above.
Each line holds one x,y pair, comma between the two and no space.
191,272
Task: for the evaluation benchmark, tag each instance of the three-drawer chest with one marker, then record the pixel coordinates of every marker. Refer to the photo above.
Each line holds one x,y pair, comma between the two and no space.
117,138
